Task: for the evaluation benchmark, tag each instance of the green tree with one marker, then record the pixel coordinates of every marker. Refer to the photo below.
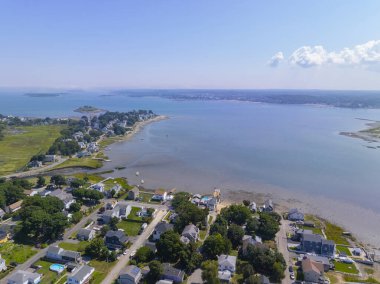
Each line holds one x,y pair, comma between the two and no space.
215,245
96,249
41,181
58,180
76,217
252,226
180,198
235,234
237,214
75,207
219,226
268,226
144,255
113,223
155,271
169,246
210,272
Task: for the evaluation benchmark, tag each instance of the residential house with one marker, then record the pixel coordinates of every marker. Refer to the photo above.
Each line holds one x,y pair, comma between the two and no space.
227,262
130,275
161,228
3,266
82,275
121,209
56,253
134,193
312,271
14,207
44,192
164,282
66,198
299,234
159,195
28,192
98,186
357,252
190,234
226,267
314,243
249,240
253,207
50,158
268,206
86,234
295,215
151,245
321,259
171,273
115,239
82,145
115,189
211,204
24,277
35,164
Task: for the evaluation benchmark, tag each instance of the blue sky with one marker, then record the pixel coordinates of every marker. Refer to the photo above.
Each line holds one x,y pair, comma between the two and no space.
190,44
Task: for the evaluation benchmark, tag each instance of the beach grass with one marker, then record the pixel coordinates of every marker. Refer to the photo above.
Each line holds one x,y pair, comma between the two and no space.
88,163
335,233
12,252
21,143
344,249
353,279
346,267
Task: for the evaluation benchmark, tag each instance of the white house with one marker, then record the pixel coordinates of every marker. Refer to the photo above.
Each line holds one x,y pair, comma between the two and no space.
227,262
3,267
130,275
160,195
81,275
24,277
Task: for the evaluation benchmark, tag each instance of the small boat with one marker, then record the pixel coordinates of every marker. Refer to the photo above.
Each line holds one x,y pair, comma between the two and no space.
137,173
142,181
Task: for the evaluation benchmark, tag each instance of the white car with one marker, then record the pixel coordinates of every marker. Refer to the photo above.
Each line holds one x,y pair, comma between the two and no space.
125,252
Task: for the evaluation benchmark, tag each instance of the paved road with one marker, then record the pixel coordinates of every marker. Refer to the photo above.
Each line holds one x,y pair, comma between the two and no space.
123,261
282,244
41,253
37,170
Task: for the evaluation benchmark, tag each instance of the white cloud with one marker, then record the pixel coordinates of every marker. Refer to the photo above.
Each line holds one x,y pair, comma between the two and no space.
367,54
276,59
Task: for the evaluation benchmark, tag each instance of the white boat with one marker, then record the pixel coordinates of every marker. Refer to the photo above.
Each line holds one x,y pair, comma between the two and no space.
137,173
142,181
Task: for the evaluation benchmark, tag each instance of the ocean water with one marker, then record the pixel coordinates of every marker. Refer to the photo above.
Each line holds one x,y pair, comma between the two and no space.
233,145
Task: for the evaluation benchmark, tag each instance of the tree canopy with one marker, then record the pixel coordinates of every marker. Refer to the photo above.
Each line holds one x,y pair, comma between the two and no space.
169,246
215,245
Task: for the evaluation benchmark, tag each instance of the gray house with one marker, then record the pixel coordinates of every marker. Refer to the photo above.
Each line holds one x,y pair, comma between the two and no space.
268,206
120,210
295,215
161,228
190,234
171,273
66,198
56,253
115,239
133,193
81,275
317,244
85,234
24,277
130,275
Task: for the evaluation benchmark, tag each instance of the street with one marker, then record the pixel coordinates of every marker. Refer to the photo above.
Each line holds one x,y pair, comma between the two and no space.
124,259
282,244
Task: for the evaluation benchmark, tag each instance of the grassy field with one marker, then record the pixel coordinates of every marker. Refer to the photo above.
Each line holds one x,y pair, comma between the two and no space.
21,143
80,247
335,233
133,216
344,249
101,270
48,275
354,279
80,163
147,197
315,230
12,252
345,267
130,227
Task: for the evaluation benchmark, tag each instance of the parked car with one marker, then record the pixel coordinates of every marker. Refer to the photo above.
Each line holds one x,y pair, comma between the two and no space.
290,268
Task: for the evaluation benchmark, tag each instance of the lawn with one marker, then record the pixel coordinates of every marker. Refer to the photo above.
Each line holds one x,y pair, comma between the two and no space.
133,216
345,267
202,234
130,227
80,246
48,275
12,252
21,143
315,230
334,232
101,270
80,163
91,177
344,249
147,197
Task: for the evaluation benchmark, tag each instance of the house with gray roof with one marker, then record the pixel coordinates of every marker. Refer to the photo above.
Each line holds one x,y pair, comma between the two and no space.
130,275
320,259
314,243
227,262
190,234
81,275
61,255
268,206
134,193
3,266
86,234
161,228
115,239
24,277
295,215
66,198
121,209
171,273
249,240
